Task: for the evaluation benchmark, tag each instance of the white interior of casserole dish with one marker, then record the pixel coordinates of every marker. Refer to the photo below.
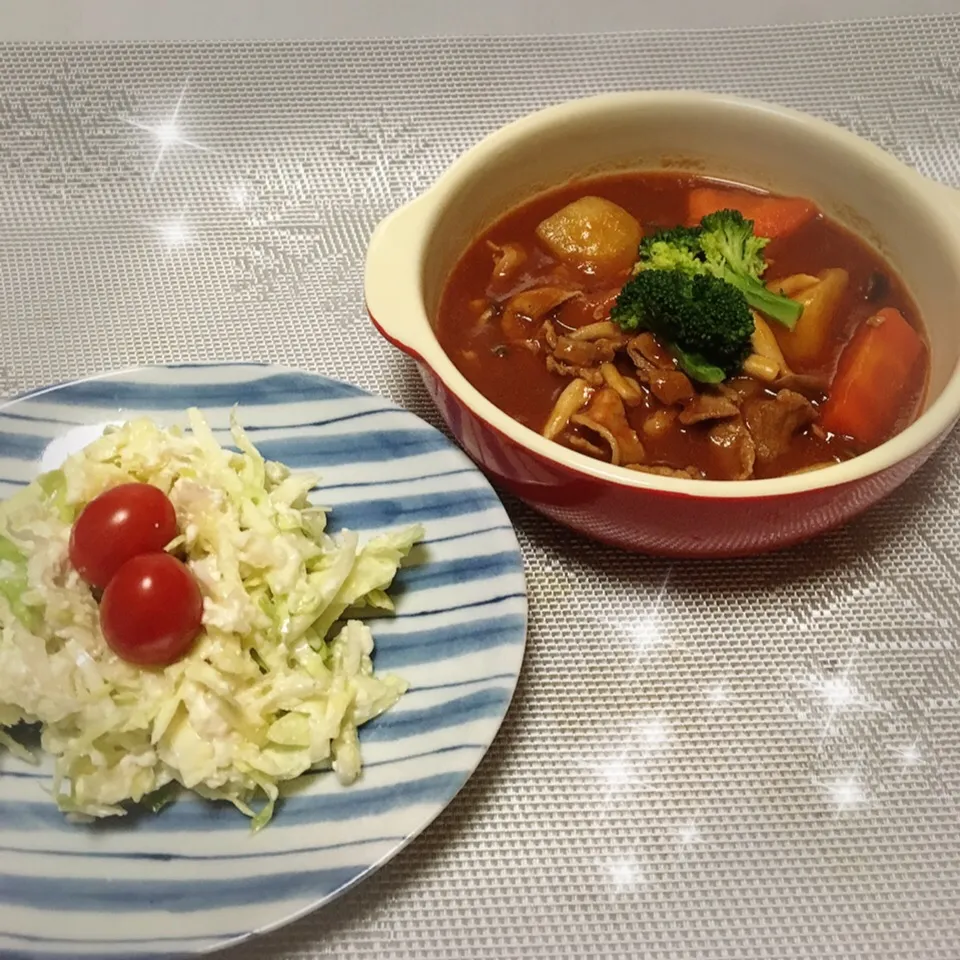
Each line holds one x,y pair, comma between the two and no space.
913,223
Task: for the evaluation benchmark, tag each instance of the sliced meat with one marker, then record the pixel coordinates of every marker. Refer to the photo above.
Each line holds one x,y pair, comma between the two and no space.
592,375
773,423
707,406
659,423
733,450
648,347
642,365
671,387
584,353
739,389
607,417
810,385
601,304
687,473
524,311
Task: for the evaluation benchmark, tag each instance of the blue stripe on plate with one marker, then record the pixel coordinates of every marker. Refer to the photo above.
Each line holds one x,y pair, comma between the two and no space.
194,814
444,573
172,938
86,894
449,641
414,508
22,446
176,857
461,471
395,724
353,449
276,389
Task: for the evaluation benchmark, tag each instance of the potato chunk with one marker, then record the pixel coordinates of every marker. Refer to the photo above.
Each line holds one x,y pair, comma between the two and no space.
592,234
804,345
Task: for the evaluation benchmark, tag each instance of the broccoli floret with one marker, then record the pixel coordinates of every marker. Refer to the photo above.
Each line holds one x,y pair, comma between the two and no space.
732,252
674,249
727,238
703,320
724,246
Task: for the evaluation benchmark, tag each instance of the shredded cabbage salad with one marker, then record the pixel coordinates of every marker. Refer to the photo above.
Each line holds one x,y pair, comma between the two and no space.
276,684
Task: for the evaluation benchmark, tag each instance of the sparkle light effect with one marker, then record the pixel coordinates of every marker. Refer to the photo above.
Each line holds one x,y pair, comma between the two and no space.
175,233
909,754
653,732
689,834
717,692
167,133
645,633
625,873
837,692
845,793
239,196
616,773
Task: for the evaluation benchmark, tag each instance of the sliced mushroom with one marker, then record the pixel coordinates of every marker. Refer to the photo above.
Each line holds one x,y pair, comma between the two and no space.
607,417
761,368
707,406
794,284
582,443
524,311
765,345
591,374
582,420
508,258
572,398
631,393
584,353
604,330
549,333
774,422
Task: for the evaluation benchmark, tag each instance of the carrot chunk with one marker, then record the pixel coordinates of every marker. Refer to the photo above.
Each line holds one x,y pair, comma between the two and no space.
772,216
876,369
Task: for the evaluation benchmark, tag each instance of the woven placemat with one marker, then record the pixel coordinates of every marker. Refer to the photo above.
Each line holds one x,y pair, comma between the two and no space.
753,759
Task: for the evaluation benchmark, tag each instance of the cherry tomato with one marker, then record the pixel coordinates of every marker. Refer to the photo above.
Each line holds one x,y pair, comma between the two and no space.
151,610
118,525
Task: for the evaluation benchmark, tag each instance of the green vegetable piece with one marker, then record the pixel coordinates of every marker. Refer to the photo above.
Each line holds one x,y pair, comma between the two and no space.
11,553
696,367
724,246
697,316
733,253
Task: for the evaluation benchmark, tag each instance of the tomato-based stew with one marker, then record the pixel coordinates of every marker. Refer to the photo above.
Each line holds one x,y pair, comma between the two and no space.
676,325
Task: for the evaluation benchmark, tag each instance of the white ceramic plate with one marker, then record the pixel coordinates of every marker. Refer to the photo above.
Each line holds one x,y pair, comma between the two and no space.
192,878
